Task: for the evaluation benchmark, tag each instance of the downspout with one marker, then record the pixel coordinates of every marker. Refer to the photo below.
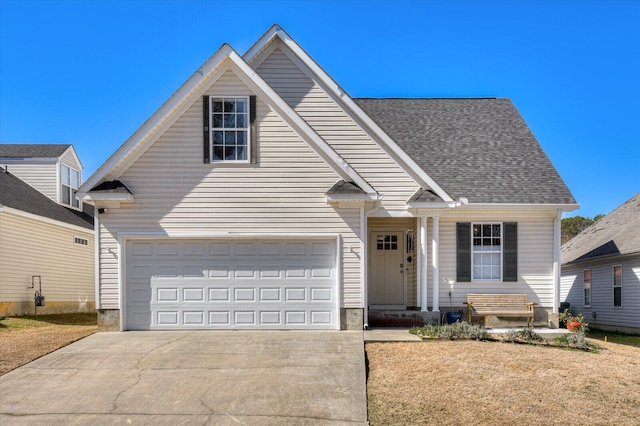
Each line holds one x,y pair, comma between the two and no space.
556,261
364,265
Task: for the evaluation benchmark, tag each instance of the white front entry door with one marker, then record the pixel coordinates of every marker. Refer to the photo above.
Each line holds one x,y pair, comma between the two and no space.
387,268
231,284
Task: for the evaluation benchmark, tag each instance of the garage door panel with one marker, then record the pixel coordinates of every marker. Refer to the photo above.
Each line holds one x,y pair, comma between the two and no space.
227,284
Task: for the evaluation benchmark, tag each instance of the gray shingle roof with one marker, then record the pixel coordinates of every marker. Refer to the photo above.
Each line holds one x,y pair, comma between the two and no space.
17,194
615,234
480,149
32,150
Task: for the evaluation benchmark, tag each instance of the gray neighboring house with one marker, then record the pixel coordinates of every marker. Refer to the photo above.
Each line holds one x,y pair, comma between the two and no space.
44,231
601,270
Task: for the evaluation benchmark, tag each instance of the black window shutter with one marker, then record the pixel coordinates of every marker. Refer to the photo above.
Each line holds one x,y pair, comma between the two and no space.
463,250
253,130
205,128
510,252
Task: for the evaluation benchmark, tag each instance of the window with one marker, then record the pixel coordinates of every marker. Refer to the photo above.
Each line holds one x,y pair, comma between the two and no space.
387,242
586,279
80,241
486,251
229,129
617,286
478,249
70,184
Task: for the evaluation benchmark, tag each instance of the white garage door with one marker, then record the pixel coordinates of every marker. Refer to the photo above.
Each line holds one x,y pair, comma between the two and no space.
241,284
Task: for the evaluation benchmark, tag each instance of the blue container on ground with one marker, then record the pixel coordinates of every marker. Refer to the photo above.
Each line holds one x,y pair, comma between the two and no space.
453,317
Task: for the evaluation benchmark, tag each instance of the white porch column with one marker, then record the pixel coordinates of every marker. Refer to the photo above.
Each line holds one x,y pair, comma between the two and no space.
422,264
435,235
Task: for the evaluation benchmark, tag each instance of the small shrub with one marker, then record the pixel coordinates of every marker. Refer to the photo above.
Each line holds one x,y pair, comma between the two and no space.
524,335
458,330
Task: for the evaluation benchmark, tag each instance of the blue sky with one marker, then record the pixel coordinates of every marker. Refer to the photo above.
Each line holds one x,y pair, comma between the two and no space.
90,73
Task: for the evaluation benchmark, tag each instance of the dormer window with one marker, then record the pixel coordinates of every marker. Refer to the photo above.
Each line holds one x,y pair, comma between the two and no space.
70,184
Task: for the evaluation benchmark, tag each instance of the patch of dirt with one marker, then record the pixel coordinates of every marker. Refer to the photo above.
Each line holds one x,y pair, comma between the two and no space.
490,383
23,339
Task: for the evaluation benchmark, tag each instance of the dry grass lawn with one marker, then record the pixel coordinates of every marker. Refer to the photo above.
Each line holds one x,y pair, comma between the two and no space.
491,383
23,339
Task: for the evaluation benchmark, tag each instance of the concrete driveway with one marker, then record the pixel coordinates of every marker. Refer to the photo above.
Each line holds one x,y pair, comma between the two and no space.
193,377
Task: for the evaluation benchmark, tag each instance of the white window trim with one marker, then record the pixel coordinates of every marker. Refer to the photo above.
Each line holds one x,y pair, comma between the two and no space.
585,288
491,280
62,185
211,130
613,280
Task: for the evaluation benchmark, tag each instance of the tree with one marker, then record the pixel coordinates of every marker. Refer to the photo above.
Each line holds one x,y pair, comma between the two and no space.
572,226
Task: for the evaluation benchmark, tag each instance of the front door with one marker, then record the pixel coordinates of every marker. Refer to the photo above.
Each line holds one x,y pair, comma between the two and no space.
386,273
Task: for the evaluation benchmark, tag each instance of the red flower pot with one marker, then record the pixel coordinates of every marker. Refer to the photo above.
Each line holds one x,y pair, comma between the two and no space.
572,326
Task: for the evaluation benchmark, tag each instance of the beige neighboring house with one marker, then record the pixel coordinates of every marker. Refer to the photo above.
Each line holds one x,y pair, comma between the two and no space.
46,234
262,196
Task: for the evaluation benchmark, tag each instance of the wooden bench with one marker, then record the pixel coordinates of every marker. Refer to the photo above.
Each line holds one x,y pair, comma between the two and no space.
500,305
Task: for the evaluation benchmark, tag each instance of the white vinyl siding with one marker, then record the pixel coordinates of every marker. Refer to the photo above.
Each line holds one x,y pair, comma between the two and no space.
41,175
33,247
535,257
283,194
338,129
627,315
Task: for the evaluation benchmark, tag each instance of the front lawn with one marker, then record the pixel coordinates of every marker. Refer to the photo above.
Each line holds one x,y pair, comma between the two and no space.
25,338
491,383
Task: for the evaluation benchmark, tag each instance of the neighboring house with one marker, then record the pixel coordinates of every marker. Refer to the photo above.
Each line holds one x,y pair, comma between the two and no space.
42,241
260,195
601,270
53,169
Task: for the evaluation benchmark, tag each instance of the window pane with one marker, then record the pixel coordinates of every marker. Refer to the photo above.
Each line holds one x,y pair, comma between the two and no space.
75,179
617,296
495,259
495,272
241,137
380,246
66,195
66,176
217,106
496,242
477,241
496,230
229,106
218,153
74,199
241,105
230,138
241,120
230,153
229,121
617,275
242,152
218,138
486,230
217,121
